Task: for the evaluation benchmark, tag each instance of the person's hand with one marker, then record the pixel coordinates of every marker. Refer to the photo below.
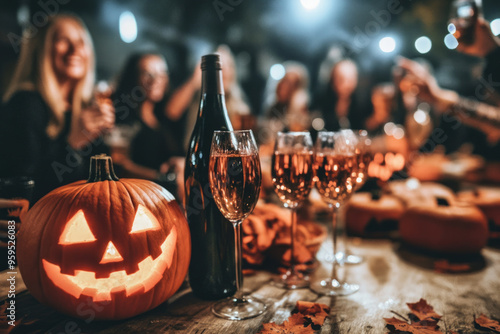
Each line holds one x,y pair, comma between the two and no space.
91,123
15,208
419,81
484,40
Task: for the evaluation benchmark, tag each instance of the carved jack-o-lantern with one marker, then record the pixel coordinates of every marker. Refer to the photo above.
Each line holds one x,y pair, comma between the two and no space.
119,247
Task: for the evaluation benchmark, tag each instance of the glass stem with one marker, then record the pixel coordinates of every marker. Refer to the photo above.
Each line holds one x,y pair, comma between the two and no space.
292,250
343,234
335,261
237,257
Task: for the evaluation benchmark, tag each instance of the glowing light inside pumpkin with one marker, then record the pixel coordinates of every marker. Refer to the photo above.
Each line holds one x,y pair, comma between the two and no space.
111,254
101,289
144,220
77,230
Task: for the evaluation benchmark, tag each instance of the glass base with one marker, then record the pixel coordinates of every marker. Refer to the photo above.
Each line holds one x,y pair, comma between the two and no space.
329,287
292,281
353,259
239,308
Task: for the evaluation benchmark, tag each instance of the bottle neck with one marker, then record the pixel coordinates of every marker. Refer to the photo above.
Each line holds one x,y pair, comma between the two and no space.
212,82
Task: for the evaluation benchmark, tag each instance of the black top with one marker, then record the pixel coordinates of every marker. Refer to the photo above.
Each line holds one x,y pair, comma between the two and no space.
326,105
151,147
27,150
491,71
488,90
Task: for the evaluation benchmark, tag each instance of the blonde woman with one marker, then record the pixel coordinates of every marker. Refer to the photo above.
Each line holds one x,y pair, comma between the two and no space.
48,126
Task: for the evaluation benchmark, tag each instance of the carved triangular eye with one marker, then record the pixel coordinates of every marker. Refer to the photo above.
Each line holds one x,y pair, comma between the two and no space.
111,254
77,230
144,221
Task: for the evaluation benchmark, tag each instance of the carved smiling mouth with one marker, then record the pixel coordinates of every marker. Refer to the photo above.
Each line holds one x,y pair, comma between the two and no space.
100,289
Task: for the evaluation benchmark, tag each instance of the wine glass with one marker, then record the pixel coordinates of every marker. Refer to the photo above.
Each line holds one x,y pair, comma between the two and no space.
463,20
334,162
292,176
362,143
364,157
235,178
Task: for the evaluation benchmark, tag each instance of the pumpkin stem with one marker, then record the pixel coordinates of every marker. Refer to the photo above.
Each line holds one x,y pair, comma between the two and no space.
101,169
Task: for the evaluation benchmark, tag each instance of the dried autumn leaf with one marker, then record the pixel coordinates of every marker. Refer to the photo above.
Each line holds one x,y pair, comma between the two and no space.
317,313
443,266
312,308
485,322
306,318
421,327
422,310
296,323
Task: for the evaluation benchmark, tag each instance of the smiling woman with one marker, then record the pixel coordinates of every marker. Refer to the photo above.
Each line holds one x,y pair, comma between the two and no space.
49,125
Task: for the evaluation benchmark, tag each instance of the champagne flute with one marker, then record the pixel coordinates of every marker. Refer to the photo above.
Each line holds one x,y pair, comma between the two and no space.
292,178
335,161
363,156
235,178
362,143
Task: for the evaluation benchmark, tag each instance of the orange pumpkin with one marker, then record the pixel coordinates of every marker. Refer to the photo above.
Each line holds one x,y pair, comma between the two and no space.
373,217
107,248
451,228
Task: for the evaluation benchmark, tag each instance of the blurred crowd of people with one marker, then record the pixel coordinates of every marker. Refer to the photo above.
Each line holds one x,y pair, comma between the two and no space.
54,116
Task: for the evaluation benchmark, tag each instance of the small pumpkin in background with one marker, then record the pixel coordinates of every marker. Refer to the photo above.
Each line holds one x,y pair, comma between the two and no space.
444,227
368,215
488,201
120,247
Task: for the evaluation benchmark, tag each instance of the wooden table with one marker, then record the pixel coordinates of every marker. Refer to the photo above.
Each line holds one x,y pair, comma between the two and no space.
389,278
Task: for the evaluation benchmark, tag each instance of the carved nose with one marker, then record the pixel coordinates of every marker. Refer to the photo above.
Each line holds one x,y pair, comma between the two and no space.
111,254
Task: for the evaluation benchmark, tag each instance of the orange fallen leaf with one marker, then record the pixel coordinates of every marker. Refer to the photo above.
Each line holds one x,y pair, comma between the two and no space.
296,323
311,308
317,313
443,266
306,318
421,327
485,322
423,311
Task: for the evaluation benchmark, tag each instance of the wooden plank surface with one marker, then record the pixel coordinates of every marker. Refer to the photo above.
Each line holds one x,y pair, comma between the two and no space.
390,277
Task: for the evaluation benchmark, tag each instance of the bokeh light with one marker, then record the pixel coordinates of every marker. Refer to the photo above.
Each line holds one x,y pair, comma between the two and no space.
452,28
423,44
420,117
495,27
387,44
450,41
128,27
310,4
277,71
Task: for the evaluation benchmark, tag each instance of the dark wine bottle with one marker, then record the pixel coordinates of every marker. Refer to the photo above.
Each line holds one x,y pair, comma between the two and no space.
212,268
